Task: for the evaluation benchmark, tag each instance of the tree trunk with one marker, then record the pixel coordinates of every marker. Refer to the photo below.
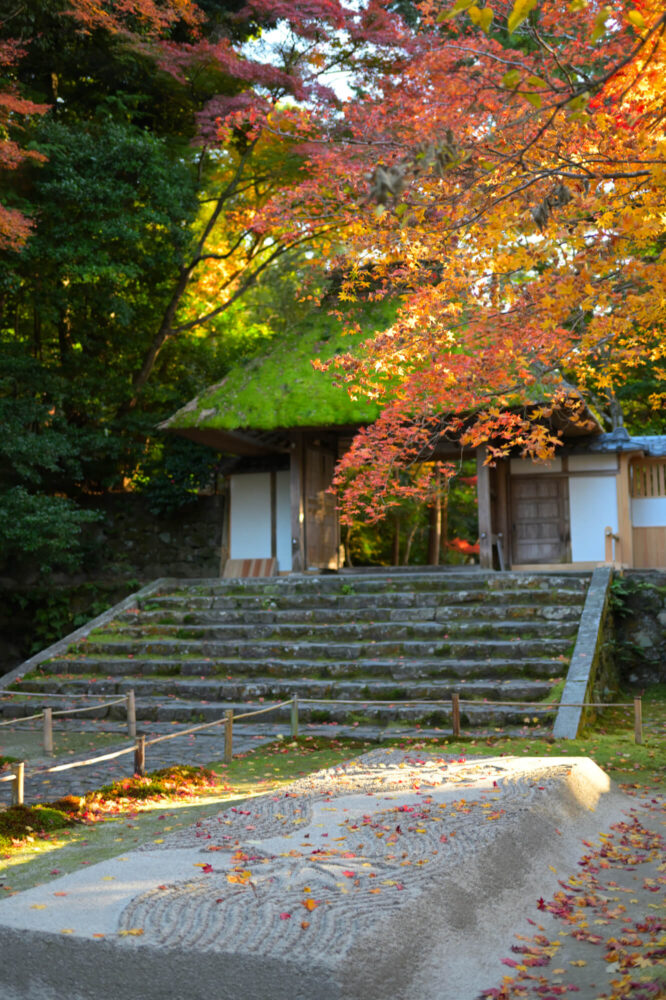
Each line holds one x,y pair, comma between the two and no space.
444,535
408,547
395,559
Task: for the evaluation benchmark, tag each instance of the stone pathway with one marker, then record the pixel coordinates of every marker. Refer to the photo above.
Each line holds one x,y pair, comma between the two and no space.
196,749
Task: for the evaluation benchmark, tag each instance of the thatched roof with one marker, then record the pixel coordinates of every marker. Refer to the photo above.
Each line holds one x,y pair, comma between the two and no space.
280,390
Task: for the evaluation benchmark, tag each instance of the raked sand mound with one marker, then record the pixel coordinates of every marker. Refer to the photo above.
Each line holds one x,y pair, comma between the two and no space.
400,874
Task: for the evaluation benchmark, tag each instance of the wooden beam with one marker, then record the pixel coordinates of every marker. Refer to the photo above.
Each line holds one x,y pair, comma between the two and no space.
225,539
624,526
229,441
296,477
484,508
503,516
273,489
435,528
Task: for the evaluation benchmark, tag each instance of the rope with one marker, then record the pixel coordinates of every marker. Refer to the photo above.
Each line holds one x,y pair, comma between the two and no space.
422,702
185,732
554,705
22,718
45,694
82,763
217,722
261,711
64,711
462,701
91,708
270,708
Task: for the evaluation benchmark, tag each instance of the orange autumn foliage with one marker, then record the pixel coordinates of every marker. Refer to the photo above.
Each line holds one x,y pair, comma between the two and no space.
509,182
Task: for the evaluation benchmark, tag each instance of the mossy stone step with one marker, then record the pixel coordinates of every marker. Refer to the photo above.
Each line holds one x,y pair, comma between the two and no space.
387,582
304,632
349,602
329,651
335,614
474,713
277,689
297,667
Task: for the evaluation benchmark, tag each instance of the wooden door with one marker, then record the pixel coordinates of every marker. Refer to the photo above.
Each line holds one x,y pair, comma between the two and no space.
540,520
321,516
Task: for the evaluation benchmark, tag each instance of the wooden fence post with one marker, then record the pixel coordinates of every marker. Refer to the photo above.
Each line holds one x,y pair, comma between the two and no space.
228,735
294,716
131,714
638,720
455,715
17,784
608,545
48,730
140,756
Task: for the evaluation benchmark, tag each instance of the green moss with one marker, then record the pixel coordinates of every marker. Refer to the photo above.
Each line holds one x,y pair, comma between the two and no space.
181,779
20,823
281,388
320,715
100,635
555,694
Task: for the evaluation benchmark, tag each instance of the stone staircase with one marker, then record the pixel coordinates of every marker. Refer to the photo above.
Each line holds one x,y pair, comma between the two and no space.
193,649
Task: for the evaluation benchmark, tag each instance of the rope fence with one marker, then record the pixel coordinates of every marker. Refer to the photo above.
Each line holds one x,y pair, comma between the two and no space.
5,692
139,747
18,775
47,715
23,718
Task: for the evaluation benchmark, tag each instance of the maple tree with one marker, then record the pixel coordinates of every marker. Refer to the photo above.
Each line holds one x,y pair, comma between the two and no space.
510,182
251,141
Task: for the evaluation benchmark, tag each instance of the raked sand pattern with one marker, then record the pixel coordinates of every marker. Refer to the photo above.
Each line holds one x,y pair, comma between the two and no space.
400,873
341,850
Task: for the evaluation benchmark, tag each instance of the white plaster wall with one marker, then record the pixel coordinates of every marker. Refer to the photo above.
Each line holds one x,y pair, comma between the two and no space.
592,463
283,502
592,507
526,467
250,516
648,512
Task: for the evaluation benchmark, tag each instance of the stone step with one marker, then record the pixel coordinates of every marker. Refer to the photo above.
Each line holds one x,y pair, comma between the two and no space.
474,714
385,581
397,669
276,689
179,649
286,601
347,632
198,649
335,614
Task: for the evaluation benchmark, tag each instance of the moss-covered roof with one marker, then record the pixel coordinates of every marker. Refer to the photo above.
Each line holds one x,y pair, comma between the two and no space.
281,389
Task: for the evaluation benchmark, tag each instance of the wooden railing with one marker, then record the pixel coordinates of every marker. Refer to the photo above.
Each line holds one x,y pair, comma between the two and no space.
647,478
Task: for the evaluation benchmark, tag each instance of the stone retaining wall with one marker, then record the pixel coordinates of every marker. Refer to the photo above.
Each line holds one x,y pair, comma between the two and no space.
639,610
127,548
132,541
